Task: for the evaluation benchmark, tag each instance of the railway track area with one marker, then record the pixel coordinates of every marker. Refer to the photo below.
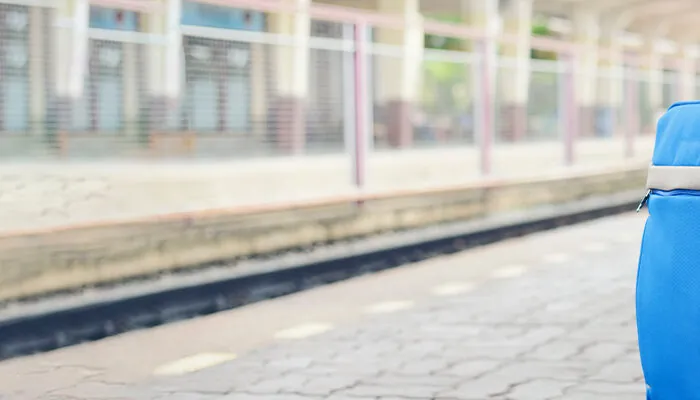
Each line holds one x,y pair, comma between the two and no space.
68,319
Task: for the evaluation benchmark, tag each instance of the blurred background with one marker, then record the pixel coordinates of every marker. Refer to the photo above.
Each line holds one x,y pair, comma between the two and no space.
150,149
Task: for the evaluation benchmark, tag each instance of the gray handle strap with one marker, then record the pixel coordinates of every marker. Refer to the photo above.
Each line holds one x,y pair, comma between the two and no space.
670,178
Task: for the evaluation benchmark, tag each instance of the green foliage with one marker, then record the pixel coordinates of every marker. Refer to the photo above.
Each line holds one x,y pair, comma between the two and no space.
540,29
446,84
444,81
448,43
441,42
438,72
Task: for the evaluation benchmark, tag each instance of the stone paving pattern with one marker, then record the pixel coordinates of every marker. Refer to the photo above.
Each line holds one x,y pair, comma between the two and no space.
563,332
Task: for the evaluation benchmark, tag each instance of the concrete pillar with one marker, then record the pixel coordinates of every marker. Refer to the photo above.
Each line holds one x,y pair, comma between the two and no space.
70,44
400,77
586,36
163,62
688,67
37,69
515,76
484,14
611,81
291,68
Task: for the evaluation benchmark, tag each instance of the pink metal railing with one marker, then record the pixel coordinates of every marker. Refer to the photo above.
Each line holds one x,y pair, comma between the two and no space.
362,20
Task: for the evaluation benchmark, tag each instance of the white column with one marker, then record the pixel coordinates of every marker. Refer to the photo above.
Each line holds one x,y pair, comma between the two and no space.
291,66
401,74
517,21
292,61
587,35
400,77
514,75
164,58
484,15
72,19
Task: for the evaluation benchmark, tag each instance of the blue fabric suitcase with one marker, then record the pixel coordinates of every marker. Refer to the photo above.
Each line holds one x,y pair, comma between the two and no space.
668,275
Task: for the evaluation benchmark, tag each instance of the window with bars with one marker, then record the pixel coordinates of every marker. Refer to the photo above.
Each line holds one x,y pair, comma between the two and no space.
14,68
217,91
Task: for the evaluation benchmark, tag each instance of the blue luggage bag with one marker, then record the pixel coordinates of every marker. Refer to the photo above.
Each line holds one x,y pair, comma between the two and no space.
668,275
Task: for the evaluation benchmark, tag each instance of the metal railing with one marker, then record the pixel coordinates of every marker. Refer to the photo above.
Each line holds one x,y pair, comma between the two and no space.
230,105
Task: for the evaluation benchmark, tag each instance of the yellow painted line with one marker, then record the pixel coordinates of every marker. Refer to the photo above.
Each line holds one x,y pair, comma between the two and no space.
511,271
389,307
193,363
453,288
303,331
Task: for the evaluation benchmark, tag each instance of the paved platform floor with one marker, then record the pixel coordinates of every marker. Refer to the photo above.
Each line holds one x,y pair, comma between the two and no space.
545,317
40,195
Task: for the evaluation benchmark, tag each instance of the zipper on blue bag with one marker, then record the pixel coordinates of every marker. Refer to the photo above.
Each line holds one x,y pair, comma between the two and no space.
666,193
